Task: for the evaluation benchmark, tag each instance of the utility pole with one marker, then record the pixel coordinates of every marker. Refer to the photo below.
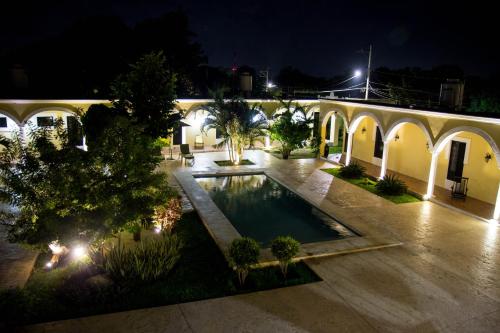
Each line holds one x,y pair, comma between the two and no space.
368,73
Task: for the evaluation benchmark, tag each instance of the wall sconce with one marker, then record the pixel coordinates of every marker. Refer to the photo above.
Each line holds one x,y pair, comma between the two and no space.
396,138
363,130
487,157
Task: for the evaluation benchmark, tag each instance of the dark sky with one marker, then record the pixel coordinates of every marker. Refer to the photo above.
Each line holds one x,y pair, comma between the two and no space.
319,37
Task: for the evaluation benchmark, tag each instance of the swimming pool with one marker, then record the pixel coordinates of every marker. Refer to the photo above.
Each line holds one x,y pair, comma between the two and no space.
260,208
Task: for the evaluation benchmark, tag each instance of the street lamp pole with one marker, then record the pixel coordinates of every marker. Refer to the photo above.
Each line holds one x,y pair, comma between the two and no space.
368,73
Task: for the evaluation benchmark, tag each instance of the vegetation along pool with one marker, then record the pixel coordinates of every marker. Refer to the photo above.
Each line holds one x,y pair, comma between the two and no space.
260,208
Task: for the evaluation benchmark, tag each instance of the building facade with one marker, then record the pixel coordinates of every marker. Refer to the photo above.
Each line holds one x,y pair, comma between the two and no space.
429,146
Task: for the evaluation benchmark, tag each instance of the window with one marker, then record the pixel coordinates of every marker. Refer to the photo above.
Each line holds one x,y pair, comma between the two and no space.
456,160
44,121
379,144
3,122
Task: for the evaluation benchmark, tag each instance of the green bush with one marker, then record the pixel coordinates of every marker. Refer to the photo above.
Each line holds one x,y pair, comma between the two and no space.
284,248
352,171
391,185
150,260
243,252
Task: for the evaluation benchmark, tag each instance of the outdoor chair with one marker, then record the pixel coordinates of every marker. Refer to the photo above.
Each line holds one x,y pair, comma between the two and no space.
186,154
459,188
198,142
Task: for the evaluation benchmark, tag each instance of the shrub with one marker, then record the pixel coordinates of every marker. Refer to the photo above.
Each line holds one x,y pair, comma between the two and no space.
150,260
391,185
167,215
284,248
352,171
243,253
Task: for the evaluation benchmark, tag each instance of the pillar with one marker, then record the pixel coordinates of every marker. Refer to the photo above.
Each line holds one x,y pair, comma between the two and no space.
349,147
332,128
22,134
496,212
84,143
432,176
385,156
267,141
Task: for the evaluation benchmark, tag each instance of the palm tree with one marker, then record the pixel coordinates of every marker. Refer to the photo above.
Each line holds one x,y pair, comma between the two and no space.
238,123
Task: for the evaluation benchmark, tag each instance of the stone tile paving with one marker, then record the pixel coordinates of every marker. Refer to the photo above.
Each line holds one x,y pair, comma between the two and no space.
445,277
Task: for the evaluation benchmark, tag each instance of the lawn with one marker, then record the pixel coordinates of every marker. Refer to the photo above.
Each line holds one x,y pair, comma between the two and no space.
369,185
75,291
295,155
229,163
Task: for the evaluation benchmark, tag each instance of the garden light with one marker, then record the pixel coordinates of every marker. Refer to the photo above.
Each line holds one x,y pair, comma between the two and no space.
157,230
49,264
56,248
79,252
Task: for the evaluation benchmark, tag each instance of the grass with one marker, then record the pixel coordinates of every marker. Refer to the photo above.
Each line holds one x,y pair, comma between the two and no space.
229,163
369,185
201,273
295,155
335,149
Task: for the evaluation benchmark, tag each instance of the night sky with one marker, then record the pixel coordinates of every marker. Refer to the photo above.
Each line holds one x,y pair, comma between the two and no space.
319,37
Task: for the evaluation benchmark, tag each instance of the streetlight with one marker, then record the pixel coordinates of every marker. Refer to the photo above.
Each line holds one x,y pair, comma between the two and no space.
357,73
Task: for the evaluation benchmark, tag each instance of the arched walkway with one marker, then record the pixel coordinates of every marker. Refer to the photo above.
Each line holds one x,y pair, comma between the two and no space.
8,125
353,125
469,152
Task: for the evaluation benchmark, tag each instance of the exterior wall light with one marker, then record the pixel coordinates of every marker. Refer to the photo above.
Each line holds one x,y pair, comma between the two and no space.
396,138
363,130
487,157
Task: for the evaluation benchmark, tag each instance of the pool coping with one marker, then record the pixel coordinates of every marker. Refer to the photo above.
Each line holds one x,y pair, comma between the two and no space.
223,232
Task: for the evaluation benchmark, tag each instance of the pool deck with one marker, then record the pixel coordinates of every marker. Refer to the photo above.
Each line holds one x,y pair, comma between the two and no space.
223,232
444,278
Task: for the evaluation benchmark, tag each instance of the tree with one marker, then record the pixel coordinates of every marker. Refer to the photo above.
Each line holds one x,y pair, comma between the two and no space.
284,248
484,104
67,194
244,252
291,128
238,123
147,91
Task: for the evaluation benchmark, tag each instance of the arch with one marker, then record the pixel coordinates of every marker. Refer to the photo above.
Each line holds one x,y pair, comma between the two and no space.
446,137
400,122
359,117
337,113
10,116
50,108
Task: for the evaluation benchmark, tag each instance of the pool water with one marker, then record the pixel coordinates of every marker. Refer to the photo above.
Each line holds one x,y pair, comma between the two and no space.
260,208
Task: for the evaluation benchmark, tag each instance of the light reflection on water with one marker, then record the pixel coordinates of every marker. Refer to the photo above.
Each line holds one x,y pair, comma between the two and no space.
260,208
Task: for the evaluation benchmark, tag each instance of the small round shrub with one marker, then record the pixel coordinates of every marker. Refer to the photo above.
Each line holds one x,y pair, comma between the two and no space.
352,171
284,248
391,185
243,252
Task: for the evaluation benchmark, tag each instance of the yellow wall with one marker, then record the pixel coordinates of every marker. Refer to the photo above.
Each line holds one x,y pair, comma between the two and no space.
483,177
409,155
364,143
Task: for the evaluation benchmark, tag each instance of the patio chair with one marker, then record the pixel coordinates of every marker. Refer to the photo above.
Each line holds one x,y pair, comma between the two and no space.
198,142
186,154
459,188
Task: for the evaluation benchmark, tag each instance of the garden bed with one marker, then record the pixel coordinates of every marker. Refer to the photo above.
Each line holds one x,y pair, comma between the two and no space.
294,155
230,163
78,289
369,185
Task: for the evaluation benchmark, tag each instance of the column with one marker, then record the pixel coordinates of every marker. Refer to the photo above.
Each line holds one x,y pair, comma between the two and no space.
349,148
385,155
432,176
496,213
332,128
22,135
267,141
84,143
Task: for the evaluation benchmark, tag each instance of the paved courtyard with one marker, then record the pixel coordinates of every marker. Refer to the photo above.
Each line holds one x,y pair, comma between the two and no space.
444,278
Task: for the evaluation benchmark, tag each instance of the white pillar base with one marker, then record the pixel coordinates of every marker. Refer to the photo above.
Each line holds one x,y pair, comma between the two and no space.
385,156
349,148
432,176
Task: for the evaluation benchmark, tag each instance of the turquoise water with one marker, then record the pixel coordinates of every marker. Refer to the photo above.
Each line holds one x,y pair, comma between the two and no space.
260,208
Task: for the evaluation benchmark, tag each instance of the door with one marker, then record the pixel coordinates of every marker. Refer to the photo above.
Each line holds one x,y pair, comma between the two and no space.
379,145
456,160
75,133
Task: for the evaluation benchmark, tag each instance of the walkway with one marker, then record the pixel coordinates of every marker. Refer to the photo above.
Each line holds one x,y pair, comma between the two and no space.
16,263
442,195
445,278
